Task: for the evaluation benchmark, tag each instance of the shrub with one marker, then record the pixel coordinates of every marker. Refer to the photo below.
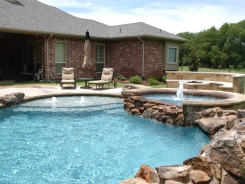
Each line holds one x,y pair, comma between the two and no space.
164,78
136,79
153,81
121,77
155,77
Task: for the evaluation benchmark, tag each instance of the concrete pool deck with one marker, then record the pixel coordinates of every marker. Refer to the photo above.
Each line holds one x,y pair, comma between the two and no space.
37,91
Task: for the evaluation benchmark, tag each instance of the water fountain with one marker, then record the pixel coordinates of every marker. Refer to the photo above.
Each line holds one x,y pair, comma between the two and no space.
54,99
180,93
82,99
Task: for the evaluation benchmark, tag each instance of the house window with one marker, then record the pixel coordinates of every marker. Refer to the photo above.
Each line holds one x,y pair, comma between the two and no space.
60,56
172,52
100,58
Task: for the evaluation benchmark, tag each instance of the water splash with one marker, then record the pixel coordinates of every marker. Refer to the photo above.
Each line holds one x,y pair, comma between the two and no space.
54,99
82,99
180,92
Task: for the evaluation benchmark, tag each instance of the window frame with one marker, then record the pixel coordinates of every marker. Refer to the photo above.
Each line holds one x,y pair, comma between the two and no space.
176,50
96,61
56,70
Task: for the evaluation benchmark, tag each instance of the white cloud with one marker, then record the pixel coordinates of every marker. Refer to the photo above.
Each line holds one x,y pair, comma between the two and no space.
174,18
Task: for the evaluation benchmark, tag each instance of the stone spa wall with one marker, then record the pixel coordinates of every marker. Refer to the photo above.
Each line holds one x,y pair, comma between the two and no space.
222,161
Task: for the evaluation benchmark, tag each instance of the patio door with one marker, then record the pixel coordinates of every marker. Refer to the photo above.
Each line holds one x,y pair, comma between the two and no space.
38,57
100,58
30,65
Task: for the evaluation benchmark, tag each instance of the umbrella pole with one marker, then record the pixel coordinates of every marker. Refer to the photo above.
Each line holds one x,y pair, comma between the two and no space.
86,79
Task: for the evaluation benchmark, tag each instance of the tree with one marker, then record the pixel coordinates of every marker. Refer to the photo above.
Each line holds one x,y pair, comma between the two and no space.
216,47
218,58
193,61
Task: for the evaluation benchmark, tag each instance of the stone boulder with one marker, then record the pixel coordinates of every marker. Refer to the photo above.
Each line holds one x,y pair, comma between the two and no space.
199,177
211,125
230,119
230,156
148,174
209,112
241,113
11,99
173,182
228,179
199,163
175,173
134,181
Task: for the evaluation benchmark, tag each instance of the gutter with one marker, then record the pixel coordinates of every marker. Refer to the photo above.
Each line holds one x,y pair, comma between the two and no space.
143,58
47,57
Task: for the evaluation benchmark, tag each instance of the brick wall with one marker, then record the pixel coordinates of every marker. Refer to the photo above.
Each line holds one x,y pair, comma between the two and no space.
125,56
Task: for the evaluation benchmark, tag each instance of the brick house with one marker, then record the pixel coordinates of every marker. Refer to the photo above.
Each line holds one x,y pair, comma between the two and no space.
34,35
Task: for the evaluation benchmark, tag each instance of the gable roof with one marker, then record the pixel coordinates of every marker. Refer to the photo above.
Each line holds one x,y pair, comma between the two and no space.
32,16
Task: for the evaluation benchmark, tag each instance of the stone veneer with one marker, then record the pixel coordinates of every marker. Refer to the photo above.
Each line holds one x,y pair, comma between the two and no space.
231,82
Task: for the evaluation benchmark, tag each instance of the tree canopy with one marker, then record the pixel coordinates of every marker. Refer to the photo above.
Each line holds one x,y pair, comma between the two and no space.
216,48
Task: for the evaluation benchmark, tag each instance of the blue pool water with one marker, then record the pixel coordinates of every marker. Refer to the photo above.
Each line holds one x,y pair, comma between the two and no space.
171,98
86,140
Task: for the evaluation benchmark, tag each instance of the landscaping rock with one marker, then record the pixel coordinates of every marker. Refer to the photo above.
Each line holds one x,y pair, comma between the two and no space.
174,182
199,177
229,155
148,174
175,173
230,119
11,99
211,125
199,163
134,181
241,113
228,179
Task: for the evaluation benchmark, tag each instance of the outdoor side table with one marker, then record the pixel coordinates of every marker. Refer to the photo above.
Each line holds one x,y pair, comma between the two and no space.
86,82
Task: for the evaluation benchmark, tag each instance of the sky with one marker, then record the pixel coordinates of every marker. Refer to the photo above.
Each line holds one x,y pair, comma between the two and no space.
172,16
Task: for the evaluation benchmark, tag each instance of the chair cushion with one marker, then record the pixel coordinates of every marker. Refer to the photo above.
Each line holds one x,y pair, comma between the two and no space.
68,81
107,74
68,73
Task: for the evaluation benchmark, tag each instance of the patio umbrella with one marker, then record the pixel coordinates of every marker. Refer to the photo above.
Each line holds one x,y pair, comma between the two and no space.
87,60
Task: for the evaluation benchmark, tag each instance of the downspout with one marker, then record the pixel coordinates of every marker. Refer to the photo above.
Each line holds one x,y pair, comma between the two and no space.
47,57
143,58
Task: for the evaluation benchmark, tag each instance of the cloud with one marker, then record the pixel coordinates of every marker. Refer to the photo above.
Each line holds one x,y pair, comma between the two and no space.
171,17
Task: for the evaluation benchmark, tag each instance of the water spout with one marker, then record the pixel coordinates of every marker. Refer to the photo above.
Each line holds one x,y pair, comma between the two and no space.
54,99
82,99
180,93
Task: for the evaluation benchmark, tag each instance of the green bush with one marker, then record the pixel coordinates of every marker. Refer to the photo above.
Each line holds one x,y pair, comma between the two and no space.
164,78
121,77
153,81
136,79
155,77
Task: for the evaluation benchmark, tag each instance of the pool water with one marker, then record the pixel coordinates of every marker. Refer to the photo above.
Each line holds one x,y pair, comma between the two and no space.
172,99
86,140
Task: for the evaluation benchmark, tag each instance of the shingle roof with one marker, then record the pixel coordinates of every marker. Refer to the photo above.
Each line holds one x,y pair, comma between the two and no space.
35,17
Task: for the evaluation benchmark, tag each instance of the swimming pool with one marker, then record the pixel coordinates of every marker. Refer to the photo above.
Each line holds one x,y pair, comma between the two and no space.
86,140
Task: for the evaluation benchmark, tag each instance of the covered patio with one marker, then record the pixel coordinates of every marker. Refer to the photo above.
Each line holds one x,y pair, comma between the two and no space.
21,55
